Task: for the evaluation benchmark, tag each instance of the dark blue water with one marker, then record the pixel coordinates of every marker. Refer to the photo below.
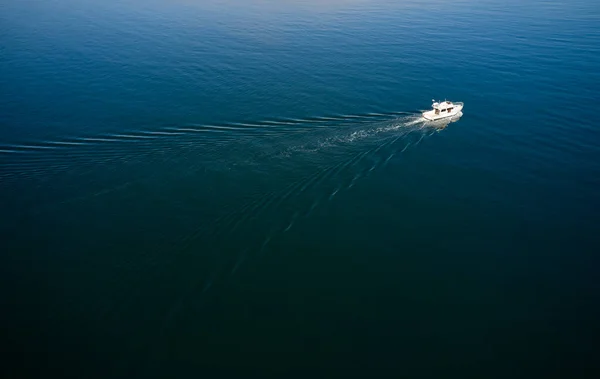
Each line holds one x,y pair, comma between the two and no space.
242,188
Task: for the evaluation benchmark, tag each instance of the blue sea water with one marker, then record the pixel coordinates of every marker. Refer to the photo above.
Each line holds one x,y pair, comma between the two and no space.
246,188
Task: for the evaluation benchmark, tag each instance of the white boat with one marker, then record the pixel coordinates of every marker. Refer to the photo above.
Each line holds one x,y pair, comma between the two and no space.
443,110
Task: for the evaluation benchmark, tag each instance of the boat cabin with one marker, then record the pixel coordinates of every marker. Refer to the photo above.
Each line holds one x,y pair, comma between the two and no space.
442,108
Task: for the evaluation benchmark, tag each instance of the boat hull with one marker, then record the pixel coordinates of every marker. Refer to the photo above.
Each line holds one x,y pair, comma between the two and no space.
431,116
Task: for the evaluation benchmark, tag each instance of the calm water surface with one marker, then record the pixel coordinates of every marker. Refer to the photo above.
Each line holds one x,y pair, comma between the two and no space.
215,188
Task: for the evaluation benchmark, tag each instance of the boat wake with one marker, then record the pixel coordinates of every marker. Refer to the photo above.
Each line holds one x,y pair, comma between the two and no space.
265,176
39,159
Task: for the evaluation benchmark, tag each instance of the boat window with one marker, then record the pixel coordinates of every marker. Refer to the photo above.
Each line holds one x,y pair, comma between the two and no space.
449,109
437,111
443,110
